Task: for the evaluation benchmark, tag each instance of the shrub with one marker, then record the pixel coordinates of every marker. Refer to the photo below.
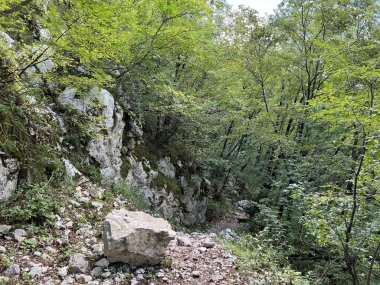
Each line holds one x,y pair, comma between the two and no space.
131,194
33,204
217,209
259,258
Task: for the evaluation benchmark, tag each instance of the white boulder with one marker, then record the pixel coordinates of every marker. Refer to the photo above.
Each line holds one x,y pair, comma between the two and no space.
9,170
135,238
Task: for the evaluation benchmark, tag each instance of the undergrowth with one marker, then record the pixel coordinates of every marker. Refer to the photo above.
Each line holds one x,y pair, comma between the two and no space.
263,263
131,194
36,204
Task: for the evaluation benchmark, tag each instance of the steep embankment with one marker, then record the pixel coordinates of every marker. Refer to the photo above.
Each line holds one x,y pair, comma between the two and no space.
70,249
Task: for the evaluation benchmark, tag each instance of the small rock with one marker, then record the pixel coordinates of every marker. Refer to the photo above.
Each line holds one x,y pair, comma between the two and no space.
4,230
97,248
140,271
37,270
68,280
134,282
97,205
19,235
4,280
62,272
90,241
140,277
195,274
12,270
85,231
208,244
102,263
216,278
37,253
95,282
3,249
83,278
96,271
106,274
51,250
84,200
47,257
78,263
160,274
201,249
183,241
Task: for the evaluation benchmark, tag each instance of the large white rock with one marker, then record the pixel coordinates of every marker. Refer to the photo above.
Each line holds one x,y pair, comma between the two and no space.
5,37
135,238
9,170
166,167
106,148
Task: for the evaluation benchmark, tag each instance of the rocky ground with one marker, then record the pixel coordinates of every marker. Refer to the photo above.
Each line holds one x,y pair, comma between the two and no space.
70,252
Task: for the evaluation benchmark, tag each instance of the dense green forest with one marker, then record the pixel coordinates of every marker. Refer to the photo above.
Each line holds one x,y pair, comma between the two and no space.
281,110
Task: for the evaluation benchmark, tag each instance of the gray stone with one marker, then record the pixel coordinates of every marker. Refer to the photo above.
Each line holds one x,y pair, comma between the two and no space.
85,231
135,238
195,274
106,274
102,263
37,270
245,205
140,271
183,241
208,243
9,170
78,263
44,34
71,170
5,230
96,271
6,38
216,278
3,249
105,149
160,274
4,280
166,167
97,205
62,272
201,249
19,235
45,65
140,277
12,270
68,280
98,248
83,278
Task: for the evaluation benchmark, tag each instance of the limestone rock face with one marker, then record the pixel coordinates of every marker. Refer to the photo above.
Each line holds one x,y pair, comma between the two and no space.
106,149
6,38
9,170
166,167
187,206
135,238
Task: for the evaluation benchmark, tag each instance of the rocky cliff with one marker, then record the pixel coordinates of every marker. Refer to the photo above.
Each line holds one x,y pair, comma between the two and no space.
97,136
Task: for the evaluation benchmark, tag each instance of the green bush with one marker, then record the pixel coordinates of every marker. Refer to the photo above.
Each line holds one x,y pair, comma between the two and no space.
131,194
28,245
34,204
218,209
259,258
170,184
